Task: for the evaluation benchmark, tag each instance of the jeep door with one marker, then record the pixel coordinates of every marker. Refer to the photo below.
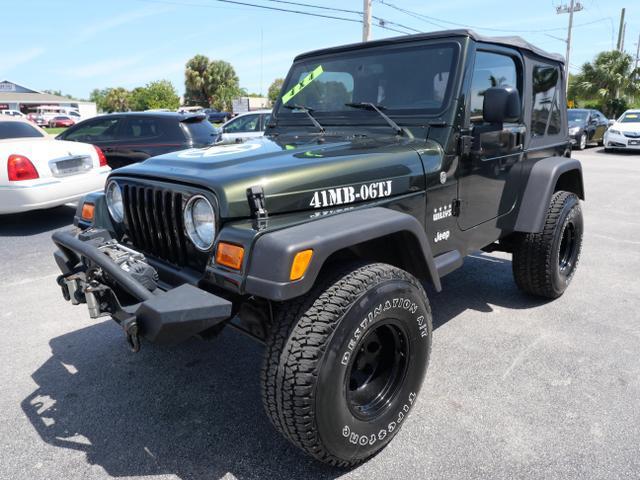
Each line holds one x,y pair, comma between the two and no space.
488,177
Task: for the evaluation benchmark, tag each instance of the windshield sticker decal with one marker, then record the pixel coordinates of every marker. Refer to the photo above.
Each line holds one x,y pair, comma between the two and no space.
297,88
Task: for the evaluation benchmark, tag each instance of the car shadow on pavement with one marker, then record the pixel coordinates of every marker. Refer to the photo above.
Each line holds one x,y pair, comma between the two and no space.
195,410
36,222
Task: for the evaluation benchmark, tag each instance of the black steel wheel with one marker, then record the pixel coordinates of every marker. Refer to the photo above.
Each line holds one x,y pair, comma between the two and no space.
544,263
344,364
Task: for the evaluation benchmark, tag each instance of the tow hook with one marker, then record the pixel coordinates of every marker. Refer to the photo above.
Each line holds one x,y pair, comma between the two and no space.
130,327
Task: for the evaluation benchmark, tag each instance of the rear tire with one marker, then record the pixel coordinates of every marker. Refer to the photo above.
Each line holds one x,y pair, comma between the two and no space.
344,363
544,263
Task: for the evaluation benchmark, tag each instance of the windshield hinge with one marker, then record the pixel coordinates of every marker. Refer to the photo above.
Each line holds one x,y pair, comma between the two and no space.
257,204
465,142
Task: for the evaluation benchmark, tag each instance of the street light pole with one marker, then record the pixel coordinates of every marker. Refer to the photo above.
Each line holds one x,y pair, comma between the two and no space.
366,21
573,7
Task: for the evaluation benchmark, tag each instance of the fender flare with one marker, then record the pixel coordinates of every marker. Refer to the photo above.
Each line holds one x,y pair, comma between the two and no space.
273,253
541,185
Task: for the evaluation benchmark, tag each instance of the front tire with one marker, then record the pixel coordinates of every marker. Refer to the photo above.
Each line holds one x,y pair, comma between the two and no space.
344,363
544,263
581,144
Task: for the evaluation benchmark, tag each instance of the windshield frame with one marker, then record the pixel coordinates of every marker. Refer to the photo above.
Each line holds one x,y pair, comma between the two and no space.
356,117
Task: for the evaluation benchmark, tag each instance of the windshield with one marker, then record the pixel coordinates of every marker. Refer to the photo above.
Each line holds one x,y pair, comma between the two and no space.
630,117
18,130
577,116
406,80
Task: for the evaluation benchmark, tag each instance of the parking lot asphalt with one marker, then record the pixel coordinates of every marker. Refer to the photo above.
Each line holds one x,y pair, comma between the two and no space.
517,387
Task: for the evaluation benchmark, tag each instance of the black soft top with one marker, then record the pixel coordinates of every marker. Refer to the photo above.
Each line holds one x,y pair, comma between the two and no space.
509,41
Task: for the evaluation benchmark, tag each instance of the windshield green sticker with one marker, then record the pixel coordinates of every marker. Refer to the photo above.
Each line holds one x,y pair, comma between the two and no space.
297,88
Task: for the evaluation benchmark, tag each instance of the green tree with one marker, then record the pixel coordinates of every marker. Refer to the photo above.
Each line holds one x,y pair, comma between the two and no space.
222,83
274,89
196,92
117,100
210,83
158,94
611,79
58,93
98,96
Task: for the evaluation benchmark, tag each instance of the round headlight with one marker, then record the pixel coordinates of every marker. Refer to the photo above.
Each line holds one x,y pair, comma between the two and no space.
114,201
200,222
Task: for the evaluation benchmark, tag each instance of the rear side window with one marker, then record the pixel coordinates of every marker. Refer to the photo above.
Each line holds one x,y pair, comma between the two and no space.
93,131
18,130
490,70
545,116
200,132
141,128
246,123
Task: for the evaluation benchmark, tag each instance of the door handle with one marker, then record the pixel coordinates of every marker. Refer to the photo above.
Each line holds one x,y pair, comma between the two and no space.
108,149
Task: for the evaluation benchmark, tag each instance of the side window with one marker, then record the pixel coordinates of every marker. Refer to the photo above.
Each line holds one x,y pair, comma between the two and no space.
247,123
545,116
94,131
141,128
490,70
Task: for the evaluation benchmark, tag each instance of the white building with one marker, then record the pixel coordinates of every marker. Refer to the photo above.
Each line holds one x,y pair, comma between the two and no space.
26,100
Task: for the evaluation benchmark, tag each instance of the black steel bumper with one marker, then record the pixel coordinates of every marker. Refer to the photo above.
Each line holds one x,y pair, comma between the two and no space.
162,316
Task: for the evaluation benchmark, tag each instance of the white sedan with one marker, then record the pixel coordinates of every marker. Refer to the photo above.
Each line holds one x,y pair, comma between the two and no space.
37,171
624,134
245,126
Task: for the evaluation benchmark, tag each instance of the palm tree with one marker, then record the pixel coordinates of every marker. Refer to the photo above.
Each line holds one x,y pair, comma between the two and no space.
611,78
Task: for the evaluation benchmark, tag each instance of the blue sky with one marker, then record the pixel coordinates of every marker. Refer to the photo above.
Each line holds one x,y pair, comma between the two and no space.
76,46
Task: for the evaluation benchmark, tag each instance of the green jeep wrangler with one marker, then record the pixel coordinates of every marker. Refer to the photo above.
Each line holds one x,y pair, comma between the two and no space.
384,165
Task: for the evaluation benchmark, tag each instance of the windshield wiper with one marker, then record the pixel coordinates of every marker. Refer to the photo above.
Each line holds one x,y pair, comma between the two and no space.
378,108
308,111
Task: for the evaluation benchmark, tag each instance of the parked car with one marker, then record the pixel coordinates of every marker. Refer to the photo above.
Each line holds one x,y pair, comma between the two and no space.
216,116
245,126
13,113
61,121
586,127
127,138
37,171
624,133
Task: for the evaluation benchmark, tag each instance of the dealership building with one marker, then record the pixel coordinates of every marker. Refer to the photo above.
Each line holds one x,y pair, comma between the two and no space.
26,100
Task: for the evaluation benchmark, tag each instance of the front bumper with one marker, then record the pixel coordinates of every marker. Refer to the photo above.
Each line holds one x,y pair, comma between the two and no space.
612,140
164,316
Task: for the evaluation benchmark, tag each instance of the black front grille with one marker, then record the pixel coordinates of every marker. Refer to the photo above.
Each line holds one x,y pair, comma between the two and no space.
154,223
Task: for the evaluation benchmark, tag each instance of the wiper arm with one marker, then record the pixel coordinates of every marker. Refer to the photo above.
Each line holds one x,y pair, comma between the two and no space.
308,111
378,108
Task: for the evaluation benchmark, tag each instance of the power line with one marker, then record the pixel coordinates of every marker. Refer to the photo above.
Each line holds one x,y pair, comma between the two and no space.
433,20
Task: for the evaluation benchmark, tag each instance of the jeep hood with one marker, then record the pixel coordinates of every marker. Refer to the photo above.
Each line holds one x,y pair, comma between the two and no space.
297,174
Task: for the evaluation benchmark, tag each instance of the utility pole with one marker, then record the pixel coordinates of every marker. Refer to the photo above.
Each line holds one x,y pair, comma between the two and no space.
624,32
573,7
638,52
620,31
366,21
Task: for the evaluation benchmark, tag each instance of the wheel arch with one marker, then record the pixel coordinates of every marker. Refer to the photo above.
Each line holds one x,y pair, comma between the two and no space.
546,177
375,234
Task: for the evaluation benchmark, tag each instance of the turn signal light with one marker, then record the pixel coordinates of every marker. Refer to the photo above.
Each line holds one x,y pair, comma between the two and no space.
101,158
20,168
88,210
300,264
229,255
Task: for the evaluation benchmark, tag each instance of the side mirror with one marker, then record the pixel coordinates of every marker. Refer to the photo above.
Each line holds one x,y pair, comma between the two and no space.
501,104
611,121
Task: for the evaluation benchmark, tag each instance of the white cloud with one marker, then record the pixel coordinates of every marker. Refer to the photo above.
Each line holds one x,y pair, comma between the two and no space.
102,26
10,60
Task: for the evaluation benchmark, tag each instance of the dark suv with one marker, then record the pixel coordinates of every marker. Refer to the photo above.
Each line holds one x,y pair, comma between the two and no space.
384,165
127,138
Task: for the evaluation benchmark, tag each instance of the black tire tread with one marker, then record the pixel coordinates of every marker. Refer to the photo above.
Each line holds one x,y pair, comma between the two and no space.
533,254
302,329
